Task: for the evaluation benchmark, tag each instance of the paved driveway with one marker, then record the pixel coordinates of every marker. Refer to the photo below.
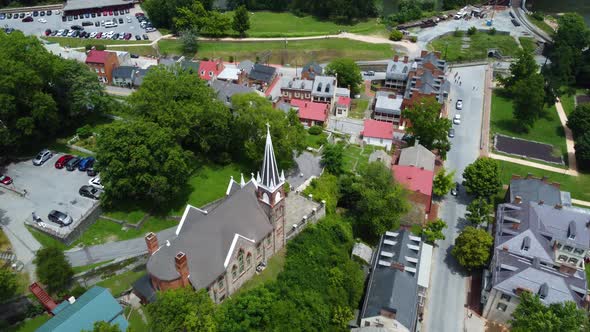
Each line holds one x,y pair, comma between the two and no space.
445,305
47,189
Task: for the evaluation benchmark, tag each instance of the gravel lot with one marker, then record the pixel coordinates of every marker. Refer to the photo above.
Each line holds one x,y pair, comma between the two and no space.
54,22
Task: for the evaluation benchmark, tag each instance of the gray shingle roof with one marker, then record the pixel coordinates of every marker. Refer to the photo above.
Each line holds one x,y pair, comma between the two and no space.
397,70
389,287
535,190
88,4
125,72
262,73
297,84
388,105
139,76
417,156
206,238
226,90
246,66
323,86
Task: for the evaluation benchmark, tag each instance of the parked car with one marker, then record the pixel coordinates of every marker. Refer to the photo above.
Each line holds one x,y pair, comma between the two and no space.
98,35
137,37
92,171
150,29
42,157
73,163
95,182
35,13
41,13
60,218
457,119
511,14
134,56
128,19
459,104
76,27
75,17
97,23
54,33
121,21
515,22
42,20
87,24
90,192
48,13
86,163
121,12
451,132
5,179
28,19
48,32
63,160
145,37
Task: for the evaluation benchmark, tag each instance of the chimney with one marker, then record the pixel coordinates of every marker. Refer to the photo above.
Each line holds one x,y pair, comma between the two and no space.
218,65
563,268
517,199
505,248
396,58
438,54
151,240
181,264
541,202
558,206
399,266
423,53
515,225
388,312
405,59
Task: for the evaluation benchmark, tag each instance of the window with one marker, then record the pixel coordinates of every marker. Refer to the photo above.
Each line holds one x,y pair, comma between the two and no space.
505,297
559,245
249,260
501,306
220,283
568,248
573,260
234,272
285,93
578,251
296,94
241,261
562,258
211,73
202,72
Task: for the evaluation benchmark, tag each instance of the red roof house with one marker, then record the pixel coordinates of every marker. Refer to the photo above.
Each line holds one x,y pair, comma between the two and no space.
210,69
418,181
103,63
378,133
311,113
342,106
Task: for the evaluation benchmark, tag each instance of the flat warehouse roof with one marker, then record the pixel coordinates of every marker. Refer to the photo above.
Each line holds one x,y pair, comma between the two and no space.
89,4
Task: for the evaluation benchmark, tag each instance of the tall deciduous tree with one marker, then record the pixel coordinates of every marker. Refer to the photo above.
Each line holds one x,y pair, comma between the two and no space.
218,24
333,158
103,326
241,21
141,161
348,74
533,315
428,125
479,211
190,40
442,182
193,17
529,98
8,284
524,66
583,150
53,269
482,177
472,248
579,120
434,231
182,309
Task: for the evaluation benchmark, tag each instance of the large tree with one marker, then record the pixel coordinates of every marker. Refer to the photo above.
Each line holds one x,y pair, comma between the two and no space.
375,201
529,98
482,178
190,40
141,161
8,284
348,74
579,120
333,158
193,17
472,248
102,326
53,269
434,231
533,315
218,24
583,150
241,21
427,125
162,12
182,309
524,66
479,211
443,182
251,114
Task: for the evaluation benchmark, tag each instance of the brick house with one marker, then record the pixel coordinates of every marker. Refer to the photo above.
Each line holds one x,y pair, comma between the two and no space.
310,113
103,63
209,70
342,106
296,89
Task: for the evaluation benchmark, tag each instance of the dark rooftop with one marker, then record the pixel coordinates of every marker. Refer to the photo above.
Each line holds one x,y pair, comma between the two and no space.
262,73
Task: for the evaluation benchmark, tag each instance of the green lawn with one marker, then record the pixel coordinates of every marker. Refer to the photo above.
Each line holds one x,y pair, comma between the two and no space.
293,53
450,46
316,141
541,25
119,283
274,266
30,325
568,99
46,240
546,130
356,158
132,215
103,231
528,44
358,108
139,50
271,24
4,242
78,269
579,186
82,42
135,319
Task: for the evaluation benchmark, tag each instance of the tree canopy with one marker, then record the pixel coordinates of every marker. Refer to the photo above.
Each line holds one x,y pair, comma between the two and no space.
533,315
102,326
53,269
333,158
524,66
529,98
182,309
8,284
482,178
472,247
348,74
579,120
434,231
479,211
241,20
428,126
443,182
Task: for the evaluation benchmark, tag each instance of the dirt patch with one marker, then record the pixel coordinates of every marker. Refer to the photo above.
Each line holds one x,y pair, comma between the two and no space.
527,149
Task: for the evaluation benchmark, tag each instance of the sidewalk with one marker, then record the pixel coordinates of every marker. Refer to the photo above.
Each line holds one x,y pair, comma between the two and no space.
569,137
484,143
533,164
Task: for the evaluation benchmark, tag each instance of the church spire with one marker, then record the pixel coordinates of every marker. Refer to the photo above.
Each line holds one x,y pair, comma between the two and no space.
270,176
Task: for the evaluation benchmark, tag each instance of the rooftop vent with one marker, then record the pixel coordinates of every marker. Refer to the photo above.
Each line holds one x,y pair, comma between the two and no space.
571,230
526,243
543,290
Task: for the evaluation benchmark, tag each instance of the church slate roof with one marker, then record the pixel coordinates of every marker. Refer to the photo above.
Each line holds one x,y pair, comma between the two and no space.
206,238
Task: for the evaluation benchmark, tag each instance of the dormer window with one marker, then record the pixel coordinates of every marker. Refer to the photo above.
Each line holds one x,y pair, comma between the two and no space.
202,72
571,230
543,291
319,87
526,243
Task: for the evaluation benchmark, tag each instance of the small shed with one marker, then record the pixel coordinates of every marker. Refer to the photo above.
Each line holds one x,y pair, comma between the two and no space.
362,252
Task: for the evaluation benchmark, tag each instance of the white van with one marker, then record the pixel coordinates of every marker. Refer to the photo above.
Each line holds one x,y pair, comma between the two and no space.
110,24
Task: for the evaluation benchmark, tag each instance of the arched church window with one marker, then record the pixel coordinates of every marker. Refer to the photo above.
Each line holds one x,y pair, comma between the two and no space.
241,261
248,259
234,272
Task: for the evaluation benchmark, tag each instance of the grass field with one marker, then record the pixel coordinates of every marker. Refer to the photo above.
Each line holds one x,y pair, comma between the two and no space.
82,42
121,282
578,186
103,231
450,46
270,24
30,325
315,141
568,99
541,25
293,53
527,43
356,158
78,269
135,319
546,130
4,242
139,50
274,266
358,108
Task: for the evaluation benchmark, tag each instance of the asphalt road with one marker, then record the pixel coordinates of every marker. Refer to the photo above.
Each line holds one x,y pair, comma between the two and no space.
447,294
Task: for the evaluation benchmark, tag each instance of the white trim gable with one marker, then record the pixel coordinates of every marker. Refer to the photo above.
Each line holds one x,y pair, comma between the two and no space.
186,210
232,248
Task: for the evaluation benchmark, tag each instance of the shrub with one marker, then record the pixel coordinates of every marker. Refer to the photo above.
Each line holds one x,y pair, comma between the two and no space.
472,31
396,35
492,31
413,39
231,59
538,16
84,132
458,33
315,130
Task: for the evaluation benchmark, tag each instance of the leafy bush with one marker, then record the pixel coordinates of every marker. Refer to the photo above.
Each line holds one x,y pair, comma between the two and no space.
315,130
84,132
231,59
396,35
492,31
413,39
458,33
538,16
472,31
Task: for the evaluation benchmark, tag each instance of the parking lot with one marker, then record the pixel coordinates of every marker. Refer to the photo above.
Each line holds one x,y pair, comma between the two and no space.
54,22
47,188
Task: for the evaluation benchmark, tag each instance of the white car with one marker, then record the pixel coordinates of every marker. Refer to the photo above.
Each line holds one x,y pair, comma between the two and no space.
457,119
459,104
57,12
150,29
95,182
42,20
102,23
93,34
60,32
71,33
128,19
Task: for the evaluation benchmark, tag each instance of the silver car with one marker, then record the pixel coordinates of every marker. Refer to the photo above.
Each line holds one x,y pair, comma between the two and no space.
60,218
42,157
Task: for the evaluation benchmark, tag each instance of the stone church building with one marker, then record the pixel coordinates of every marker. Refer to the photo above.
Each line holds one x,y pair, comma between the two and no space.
220,249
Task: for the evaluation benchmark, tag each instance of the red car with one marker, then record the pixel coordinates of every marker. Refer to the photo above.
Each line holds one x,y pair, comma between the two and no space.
98,35
110,13
63,160
139,14
105,13
5,179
